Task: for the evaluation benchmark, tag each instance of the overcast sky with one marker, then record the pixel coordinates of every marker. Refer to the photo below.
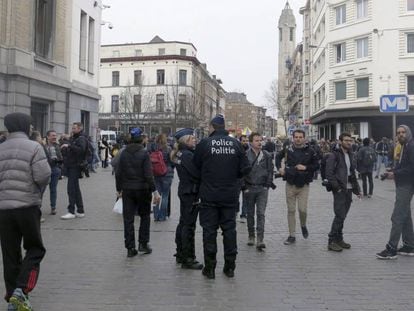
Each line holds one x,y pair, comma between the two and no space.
236,38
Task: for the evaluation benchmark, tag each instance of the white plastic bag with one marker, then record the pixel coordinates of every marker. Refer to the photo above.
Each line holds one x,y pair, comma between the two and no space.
118,206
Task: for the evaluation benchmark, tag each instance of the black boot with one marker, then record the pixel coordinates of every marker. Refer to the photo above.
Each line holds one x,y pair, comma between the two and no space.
132,252
144,248
192,265
228,269
209,268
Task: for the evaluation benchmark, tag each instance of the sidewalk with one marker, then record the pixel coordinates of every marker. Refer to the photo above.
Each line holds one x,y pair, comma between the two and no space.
86,267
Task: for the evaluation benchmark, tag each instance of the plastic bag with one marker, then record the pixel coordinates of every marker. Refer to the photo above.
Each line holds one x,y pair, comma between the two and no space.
118,206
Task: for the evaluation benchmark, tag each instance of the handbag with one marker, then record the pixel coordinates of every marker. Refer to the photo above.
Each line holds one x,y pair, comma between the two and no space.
118,206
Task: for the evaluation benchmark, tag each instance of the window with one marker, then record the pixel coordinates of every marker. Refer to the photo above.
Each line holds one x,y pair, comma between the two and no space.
291,33
362,47
362,86
115,78
183,52
91,45
340,14
410,85
183,77
160,76
39,113
137,77
182,99
115,103
410,5
138,52
82,42
280,34
161,51
137,103
116,53
44,27
340,52
362,8
159,104
410,42
340,90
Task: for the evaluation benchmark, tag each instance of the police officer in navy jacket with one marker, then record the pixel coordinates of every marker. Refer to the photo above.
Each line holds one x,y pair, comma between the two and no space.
222,161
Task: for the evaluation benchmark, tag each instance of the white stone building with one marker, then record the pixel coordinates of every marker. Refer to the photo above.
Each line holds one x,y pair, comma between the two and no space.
160,86
49,60
359,50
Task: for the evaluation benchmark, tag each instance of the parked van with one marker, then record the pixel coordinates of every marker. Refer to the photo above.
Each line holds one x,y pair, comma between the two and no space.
109,135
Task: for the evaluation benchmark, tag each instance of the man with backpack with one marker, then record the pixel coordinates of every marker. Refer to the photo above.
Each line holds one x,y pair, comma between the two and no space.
74,154
366,158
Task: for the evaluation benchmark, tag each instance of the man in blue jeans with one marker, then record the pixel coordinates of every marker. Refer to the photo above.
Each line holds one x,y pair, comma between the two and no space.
402,223
54,157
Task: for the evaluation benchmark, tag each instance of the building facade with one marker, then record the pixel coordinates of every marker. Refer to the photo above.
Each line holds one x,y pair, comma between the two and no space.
49,60
359,51
159,86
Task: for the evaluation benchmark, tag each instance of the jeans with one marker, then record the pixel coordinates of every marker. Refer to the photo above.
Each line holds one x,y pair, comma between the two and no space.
54,178
342,203
299,194
402,223
256,198
364,177
381,159
243,205
163,185
74,193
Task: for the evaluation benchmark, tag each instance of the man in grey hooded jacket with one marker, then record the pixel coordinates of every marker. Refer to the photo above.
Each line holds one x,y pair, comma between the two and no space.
402,223
24,174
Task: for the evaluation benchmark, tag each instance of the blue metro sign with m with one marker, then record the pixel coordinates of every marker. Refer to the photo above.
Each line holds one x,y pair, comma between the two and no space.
394,103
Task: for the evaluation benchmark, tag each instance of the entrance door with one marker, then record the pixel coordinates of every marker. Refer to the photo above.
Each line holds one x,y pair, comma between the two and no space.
40,117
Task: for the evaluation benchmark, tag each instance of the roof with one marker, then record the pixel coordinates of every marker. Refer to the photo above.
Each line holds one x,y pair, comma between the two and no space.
155,40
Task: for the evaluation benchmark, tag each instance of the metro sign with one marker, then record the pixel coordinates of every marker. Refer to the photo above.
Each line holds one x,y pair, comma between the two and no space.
394,103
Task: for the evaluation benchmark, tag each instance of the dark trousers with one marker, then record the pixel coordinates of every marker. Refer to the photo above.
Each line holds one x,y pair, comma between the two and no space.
136,202
364,177
212,217
17,225
185,232
74,192
54,179
342,203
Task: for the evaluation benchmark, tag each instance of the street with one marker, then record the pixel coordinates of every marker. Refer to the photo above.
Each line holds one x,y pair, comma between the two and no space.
86,267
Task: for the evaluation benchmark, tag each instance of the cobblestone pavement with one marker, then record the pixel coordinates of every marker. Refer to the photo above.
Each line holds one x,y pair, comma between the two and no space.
86,267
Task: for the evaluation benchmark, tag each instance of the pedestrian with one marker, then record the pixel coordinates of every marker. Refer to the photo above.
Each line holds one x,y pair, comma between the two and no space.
256,190
163,182
270,147
103,147
135,183
366,158
188,188
382,150
24,173
222,162
55,159
301,162
402,223
74,154
340,173
244,140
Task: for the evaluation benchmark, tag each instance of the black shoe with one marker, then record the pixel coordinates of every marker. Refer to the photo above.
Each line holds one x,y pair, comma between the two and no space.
344,245
335,247
260,246
209,273
290,240
405,251
144,248
387,254
192,265
178,258
229,272
305,232
132,252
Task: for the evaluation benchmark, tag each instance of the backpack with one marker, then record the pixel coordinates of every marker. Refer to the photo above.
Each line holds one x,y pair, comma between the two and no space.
159,168
369,157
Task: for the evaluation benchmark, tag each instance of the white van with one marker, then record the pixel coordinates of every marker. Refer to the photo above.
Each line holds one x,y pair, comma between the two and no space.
109,135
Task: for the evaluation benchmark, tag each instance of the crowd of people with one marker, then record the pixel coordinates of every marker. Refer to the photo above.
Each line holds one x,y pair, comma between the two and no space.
214,173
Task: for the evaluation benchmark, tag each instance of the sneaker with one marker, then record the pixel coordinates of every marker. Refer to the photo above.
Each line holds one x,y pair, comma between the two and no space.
305,232
251,241
68,216
20,301
79,215
335,247
405,251
144,248
132,252
387,254
260,246
344,245
192,265
11,307
290,240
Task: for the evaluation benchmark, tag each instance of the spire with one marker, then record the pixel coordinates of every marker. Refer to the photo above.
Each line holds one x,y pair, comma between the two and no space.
287,6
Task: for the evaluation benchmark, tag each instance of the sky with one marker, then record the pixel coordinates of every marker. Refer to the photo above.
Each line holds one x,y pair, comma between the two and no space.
238,39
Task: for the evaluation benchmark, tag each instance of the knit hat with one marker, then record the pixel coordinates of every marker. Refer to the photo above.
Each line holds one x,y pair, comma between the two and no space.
218,119
183,132
136,132
18,122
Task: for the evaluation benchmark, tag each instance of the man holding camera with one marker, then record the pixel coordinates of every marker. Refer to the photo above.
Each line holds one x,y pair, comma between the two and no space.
402,223
256,188
301,162
340,173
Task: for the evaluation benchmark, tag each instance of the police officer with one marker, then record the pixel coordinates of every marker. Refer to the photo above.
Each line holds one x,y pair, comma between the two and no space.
222,162
182,156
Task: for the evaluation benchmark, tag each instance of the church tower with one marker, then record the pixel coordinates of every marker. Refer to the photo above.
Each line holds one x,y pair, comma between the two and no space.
287,45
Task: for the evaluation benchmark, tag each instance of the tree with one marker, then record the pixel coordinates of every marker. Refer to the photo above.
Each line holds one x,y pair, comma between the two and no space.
272,97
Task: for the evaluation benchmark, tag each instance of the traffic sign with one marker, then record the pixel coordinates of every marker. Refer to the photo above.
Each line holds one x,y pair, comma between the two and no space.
394,103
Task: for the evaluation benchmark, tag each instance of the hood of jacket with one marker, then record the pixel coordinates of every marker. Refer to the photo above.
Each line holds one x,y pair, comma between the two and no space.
409,134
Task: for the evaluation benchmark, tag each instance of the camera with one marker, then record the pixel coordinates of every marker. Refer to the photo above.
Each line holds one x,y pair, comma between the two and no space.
327,185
